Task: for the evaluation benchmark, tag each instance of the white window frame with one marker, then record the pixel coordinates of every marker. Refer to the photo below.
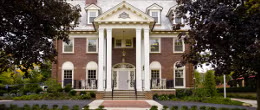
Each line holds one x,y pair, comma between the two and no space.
158,14
64,43
184,75
159,69
183,46
96,45
89,11
88,73
67,68
123,43
159,39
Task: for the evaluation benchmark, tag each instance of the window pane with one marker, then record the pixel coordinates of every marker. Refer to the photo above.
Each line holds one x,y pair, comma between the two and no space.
154,45
179,82
92,74
154,14
155,19
178,45
178,73
92,45
67,74
91,19
128,43
68,47
178,20
155,74
92,14
118,43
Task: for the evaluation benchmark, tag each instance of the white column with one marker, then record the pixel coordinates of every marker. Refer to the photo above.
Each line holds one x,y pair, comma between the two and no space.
147,59
138,60
109,58
100,59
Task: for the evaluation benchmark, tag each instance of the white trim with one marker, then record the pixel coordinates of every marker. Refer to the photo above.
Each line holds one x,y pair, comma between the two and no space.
96,45
159,39
158,14
183,46
94,66
184,75
73,44
182,20
67,68
91,10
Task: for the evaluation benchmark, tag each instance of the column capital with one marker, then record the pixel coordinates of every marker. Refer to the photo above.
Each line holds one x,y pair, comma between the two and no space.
109,29
101,29
146,29
138,28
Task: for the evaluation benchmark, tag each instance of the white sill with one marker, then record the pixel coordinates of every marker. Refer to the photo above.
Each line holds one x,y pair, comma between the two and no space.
92,52
179,87
178,52
67,52
155,52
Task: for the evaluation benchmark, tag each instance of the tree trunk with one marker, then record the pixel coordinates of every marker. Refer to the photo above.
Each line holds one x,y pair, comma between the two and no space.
258,90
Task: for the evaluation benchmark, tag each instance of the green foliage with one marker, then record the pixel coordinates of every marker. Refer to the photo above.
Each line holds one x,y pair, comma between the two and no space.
26,107
65,107
68,88
183,92
53,86
194,107
174,108
92,94
55,107
13,107
184,108
212,108
223,108
72,92
36,107
2,106
44,107
82,92
75,107
165,107
198,79
86,107
203,107
209,84
100,107
45,22
154,107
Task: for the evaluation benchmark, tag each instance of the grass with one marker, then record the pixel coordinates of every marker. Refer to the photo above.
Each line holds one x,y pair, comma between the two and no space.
243,95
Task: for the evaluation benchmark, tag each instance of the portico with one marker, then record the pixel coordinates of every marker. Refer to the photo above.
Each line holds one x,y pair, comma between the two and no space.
124,18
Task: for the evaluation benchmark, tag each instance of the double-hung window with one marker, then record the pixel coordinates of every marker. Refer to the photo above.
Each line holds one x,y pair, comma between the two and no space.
155,45
156,16
123,43
92,45
92,74
91,16
179,46
68,47
155,74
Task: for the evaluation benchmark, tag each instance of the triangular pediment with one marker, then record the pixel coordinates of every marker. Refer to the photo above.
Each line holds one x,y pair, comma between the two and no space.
92,7
124,12
154,7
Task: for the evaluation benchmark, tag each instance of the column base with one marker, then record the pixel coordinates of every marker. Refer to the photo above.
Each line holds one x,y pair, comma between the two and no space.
108,89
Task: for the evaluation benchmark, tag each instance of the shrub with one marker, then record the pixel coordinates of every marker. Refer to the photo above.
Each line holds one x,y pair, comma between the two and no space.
100,107
86,107
84,96
155,96
65,107
44,107
3,107
163,97
55,107
183,92
165,107
222,108
72,93
68,88
38,90
36,107
75,107
194,107
83,92
184,108
174,108
209,84
203,108
26,107
13,107
154,107
92,94
53,86
212,108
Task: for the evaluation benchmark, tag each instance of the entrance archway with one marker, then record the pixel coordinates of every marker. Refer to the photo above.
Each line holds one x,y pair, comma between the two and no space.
123,76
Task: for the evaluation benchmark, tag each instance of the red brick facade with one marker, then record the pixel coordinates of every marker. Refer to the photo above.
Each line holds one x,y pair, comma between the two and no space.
80,59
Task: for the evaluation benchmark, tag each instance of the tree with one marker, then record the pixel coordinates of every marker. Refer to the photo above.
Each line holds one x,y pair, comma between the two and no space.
28,29
224,33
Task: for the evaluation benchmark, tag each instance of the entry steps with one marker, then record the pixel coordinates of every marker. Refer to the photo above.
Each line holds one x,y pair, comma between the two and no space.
124,95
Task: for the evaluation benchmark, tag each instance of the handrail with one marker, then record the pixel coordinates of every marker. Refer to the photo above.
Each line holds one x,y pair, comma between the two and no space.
112,89
135,90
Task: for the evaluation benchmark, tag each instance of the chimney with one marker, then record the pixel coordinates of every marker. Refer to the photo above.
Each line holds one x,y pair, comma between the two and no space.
91,1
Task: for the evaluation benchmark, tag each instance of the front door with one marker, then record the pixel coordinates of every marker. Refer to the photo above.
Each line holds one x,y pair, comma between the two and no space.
123,80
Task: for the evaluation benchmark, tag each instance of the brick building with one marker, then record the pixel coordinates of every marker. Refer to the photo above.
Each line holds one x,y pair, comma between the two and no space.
124,45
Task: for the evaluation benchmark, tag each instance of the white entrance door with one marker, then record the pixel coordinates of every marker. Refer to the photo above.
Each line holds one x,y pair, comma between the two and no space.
123,80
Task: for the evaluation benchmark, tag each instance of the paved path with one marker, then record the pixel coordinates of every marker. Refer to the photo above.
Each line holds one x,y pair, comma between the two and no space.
252,102
60,103
198,104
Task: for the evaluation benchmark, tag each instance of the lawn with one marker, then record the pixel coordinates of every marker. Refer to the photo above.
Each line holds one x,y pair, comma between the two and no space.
243,95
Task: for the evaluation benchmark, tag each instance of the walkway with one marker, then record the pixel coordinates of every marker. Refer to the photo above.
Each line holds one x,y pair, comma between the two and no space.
252,102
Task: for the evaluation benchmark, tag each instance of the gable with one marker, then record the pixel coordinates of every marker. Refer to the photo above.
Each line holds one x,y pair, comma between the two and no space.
124,12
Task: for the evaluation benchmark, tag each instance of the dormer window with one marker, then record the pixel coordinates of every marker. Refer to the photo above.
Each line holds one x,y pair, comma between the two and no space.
155,11
92,12
92,15
178,20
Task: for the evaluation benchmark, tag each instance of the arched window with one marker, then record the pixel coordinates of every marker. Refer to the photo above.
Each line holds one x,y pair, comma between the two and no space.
155,70
179,76
91,70
67,73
